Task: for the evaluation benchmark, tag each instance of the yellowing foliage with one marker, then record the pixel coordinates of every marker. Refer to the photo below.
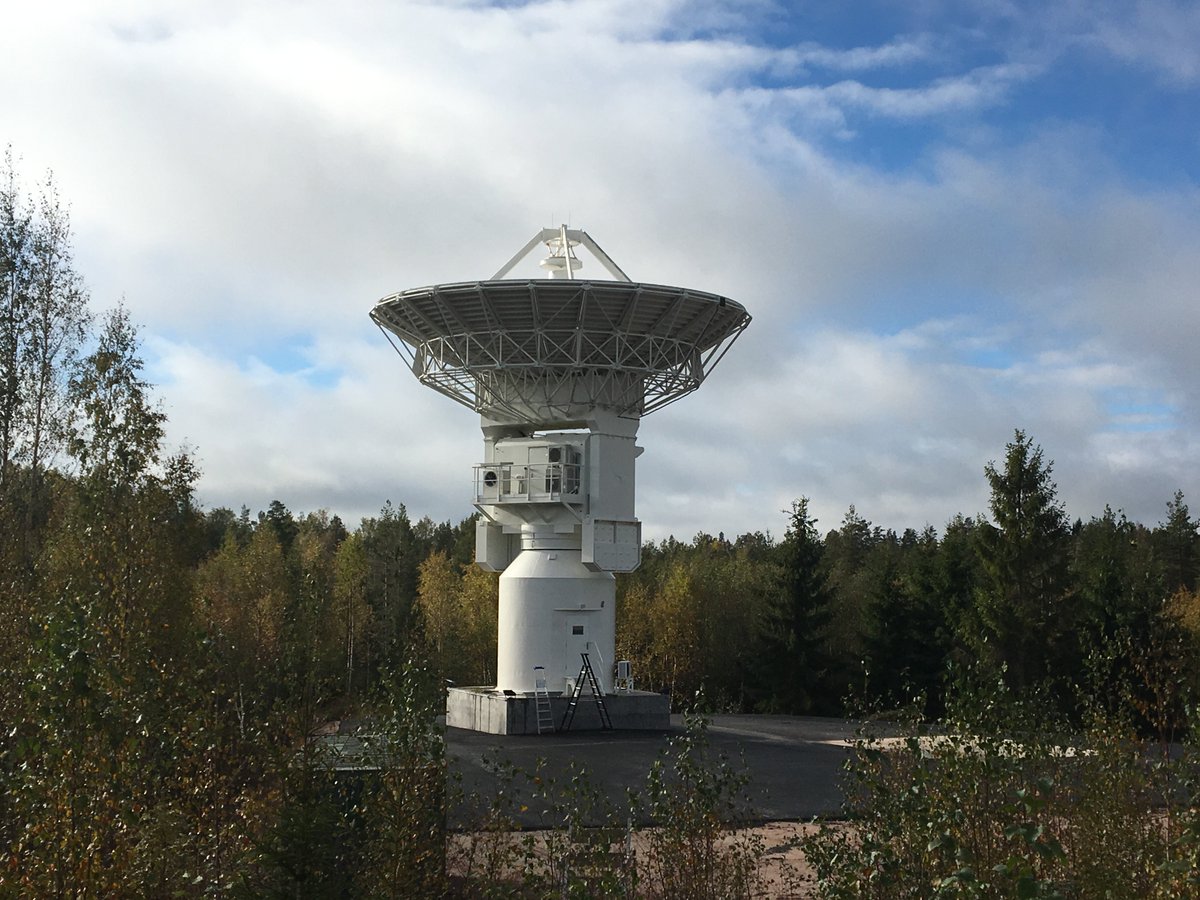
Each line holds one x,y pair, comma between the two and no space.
459,613
1184,607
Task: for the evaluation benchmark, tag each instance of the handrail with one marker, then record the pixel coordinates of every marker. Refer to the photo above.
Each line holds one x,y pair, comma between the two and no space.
558,481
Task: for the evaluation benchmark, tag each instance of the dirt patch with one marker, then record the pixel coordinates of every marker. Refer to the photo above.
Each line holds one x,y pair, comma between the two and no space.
783,871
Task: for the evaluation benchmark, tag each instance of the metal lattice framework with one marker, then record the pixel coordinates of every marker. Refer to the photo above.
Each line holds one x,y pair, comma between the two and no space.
545,350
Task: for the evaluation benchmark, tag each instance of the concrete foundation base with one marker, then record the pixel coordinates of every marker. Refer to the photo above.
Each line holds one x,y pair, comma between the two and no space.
493,712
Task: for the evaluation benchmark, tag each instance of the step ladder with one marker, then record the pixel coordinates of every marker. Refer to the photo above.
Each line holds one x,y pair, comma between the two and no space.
586,674
545,718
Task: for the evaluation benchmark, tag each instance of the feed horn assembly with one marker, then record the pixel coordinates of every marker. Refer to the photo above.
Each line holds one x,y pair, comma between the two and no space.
561,371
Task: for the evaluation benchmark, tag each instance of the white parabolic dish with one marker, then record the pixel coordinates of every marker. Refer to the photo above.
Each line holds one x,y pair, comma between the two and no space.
545,351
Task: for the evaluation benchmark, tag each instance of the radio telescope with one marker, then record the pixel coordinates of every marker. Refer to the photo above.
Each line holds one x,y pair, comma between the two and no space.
561,370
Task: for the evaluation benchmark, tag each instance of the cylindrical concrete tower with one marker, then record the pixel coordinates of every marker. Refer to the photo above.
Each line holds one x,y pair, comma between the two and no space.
561,370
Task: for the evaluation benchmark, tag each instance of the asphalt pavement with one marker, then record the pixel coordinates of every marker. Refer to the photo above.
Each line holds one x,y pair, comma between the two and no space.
794,764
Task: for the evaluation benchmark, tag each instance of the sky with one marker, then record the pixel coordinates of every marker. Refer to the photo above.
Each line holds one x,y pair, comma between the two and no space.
950,219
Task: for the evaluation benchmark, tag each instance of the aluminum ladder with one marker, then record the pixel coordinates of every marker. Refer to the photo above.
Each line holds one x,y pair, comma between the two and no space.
586,673
545,718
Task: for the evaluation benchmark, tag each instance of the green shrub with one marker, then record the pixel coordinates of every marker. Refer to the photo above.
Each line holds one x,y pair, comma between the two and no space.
699,847
997,804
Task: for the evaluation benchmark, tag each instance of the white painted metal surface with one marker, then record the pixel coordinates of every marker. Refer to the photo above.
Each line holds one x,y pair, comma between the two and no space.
551,610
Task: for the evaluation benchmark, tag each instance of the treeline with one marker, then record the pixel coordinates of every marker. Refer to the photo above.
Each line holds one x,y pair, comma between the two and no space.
862,618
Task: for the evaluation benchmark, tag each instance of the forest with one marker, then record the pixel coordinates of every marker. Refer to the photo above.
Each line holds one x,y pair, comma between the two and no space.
163,662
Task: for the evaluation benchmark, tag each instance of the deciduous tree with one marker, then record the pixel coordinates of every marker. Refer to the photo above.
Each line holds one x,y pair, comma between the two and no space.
118,429
43,323
352,611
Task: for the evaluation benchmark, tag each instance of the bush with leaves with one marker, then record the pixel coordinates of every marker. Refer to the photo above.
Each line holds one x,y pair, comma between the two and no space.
998,803
586,847
700,846
402,809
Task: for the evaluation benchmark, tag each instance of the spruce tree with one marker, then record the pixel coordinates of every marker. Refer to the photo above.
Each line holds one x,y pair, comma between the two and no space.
793,663
1023,608
1178,547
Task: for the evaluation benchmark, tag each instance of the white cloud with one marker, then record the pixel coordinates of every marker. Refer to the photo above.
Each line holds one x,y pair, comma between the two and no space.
373,435
253,177
831,107
906,50
1160,36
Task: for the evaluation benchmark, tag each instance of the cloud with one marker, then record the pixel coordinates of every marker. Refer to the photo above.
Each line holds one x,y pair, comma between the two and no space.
373,435
834,108
899,425
900,52
254,177
1159,36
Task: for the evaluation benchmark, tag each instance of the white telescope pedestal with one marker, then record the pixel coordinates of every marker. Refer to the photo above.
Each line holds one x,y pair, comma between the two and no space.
552,609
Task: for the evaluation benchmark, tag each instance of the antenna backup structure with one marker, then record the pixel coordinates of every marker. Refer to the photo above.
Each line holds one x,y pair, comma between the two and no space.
561,370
